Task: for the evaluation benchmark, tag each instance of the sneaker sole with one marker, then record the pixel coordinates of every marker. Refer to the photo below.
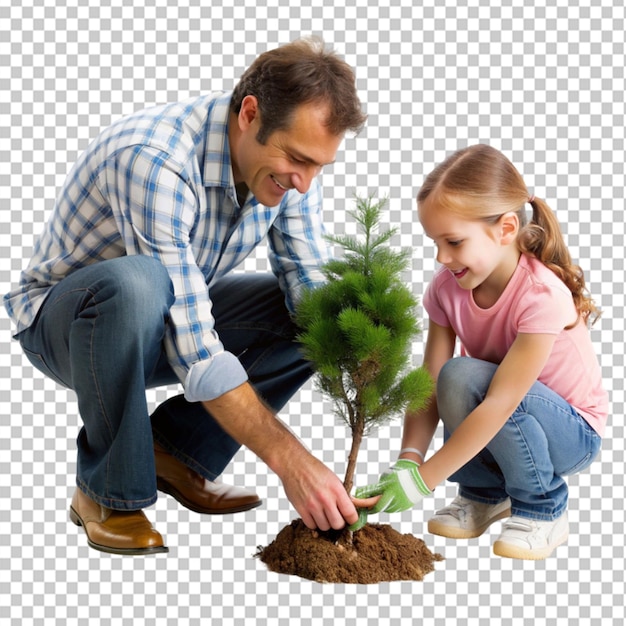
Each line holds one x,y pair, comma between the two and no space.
443,530
507,550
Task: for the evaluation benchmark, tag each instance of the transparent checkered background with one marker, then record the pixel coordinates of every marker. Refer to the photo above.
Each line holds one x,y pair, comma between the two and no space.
543,84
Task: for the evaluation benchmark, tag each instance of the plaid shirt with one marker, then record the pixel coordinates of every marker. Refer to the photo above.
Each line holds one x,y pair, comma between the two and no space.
160,183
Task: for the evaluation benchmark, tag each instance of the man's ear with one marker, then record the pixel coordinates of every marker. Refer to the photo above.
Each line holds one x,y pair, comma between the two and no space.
248,113
509,227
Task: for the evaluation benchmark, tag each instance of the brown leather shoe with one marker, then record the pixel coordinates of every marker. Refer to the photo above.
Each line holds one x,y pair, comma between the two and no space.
117,532
196,492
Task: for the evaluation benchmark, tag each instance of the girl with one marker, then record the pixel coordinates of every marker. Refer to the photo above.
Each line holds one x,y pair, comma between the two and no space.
524,405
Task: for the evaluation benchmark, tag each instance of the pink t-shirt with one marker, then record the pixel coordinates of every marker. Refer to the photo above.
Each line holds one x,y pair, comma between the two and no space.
534,301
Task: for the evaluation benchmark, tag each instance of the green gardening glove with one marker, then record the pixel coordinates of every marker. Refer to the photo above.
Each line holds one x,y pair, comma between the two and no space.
400,488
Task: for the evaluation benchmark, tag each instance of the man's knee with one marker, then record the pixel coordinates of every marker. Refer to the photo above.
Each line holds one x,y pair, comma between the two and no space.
138,285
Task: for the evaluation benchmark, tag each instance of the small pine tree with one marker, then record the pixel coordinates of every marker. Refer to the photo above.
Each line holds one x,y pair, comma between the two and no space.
357,330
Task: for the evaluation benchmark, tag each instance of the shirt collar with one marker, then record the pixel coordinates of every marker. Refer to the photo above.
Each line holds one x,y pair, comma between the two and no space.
218,171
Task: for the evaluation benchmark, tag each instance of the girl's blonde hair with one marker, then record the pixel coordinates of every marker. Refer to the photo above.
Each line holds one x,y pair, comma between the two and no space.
480,183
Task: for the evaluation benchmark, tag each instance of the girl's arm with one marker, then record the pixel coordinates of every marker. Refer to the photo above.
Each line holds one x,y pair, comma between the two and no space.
419,427
515,375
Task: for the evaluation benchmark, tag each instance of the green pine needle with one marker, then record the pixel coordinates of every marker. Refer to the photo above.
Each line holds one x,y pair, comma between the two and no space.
358,328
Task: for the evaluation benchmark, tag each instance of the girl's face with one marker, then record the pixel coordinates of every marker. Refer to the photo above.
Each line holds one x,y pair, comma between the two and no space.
481,256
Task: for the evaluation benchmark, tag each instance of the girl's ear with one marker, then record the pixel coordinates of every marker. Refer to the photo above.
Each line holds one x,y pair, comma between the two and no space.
509,228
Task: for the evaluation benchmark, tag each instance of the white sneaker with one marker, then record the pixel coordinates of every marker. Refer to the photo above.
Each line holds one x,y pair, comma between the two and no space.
465,519
524,538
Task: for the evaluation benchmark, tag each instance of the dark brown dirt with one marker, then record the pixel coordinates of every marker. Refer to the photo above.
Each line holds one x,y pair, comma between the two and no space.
373,554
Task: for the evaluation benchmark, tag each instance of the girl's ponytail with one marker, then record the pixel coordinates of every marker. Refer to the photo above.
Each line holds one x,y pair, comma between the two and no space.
542,238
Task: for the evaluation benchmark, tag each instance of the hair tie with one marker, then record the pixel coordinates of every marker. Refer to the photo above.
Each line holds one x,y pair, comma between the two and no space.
531,199
414,451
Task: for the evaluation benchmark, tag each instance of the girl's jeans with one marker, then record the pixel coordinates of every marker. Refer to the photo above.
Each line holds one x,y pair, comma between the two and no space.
99,332
544,440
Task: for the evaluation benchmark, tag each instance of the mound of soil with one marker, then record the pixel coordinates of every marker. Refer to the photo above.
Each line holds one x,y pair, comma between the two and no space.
373,554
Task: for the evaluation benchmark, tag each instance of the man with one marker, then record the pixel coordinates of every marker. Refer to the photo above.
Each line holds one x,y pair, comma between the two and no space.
130,287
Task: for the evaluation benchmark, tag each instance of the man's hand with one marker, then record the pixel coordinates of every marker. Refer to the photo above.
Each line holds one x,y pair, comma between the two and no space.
399,488
317,494
314,491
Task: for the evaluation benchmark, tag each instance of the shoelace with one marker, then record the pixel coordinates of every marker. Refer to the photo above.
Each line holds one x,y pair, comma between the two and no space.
518,525
452,509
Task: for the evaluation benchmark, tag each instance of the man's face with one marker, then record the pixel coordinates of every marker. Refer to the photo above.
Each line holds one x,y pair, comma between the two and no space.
289,159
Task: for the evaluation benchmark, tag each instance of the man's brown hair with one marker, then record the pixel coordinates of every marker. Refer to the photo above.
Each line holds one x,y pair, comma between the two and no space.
297,73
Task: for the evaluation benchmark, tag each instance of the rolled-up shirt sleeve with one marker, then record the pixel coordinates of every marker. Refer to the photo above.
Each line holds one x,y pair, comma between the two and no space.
159,206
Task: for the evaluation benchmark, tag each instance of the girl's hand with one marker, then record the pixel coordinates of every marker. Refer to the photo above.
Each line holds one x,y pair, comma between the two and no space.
398,489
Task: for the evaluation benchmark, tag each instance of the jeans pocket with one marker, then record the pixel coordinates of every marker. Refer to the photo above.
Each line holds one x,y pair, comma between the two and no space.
589,458
37,361
581,465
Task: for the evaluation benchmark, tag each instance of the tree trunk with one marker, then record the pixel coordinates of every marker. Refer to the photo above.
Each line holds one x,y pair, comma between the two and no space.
357,437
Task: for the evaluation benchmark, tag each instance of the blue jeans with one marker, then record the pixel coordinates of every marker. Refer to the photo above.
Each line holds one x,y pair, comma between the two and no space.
100,331
544,440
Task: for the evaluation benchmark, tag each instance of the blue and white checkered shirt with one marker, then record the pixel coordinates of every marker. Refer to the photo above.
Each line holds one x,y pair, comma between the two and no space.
160,183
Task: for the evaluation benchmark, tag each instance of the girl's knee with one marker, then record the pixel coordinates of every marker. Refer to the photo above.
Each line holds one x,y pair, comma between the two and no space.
455,376
461,386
